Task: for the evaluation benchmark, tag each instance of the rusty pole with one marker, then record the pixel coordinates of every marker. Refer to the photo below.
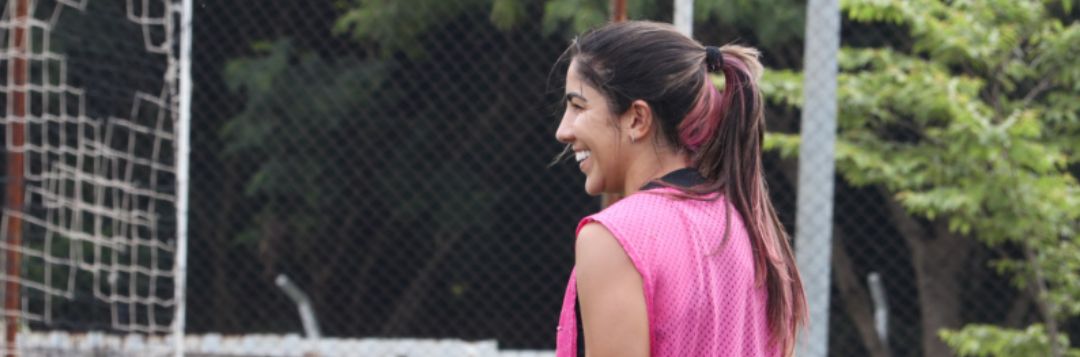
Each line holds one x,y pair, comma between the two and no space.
15,181
618,13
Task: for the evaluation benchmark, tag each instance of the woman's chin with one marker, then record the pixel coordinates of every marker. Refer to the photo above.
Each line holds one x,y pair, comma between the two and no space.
593,188
593,193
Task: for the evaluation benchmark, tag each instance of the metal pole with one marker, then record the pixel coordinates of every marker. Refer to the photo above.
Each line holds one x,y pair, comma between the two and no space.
881,307
183,151
684,17
618,12
16,175
303,305
813,239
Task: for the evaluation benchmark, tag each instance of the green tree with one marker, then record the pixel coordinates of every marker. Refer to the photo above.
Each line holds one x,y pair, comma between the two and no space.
398,25
973,135
772,21
306,123
299,112
395,25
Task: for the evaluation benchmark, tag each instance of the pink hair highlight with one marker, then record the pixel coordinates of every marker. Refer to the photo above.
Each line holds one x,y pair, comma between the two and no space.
702,122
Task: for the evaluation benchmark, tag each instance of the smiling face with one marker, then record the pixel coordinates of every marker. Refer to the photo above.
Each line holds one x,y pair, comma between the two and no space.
591,129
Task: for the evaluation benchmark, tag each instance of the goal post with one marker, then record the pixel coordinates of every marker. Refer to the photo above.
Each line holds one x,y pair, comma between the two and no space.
95,175
182,172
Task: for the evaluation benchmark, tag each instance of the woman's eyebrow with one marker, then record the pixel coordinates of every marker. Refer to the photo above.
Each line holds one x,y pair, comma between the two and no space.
572,95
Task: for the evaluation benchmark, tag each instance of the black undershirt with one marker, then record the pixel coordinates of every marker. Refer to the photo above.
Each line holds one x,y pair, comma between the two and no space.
684,177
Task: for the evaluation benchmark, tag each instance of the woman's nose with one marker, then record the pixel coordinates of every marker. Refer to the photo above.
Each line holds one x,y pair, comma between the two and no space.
564,133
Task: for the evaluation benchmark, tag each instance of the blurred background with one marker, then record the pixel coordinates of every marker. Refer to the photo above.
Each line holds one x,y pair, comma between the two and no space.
391,159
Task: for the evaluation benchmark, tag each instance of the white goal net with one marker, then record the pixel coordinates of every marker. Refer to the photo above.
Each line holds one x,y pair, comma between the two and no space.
89,98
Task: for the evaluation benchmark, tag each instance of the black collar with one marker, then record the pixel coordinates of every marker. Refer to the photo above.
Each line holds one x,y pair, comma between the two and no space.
684,177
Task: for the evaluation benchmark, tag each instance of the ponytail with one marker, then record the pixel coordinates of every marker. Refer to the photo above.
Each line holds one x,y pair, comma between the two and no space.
724,132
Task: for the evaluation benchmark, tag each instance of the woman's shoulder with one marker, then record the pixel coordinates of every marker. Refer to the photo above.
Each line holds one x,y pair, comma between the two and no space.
639,209
663,205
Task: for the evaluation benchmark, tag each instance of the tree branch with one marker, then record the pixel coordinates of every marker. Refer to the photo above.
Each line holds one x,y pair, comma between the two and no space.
1043,85
1018,312
411,300
909,228
1046,307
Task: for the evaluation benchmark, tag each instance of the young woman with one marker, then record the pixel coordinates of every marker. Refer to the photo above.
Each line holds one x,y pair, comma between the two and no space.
693,261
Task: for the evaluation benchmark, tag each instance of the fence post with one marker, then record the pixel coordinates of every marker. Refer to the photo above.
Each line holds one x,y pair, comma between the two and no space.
183,154
684,17
14,201
813,225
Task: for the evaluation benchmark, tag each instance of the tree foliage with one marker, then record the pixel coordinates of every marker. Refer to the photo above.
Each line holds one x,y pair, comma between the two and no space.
975,126
397,25
271,128
341,154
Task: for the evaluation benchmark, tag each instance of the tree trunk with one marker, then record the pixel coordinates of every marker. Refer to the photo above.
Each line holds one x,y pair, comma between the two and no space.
938,258
224,303
856,299
937,270
412,299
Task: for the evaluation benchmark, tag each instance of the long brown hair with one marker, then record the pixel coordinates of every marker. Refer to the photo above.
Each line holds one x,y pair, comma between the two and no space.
722,131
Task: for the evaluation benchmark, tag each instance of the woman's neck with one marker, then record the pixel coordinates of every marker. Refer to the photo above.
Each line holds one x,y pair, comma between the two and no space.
652,166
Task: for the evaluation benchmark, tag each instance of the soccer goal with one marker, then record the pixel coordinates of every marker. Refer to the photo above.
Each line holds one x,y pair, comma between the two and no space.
94,172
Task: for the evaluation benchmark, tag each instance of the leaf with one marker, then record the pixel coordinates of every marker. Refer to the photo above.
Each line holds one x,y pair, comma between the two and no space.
786,144
581,15
989,340
506,14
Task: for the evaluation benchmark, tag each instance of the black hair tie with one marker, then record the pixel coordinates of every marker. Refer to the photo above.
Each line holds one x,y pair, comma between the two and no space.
714,60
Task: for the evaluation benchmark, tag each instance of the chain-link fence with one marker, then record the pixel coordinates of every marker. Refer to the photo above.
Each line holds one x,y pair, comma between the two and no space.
399,178
906,262
372,178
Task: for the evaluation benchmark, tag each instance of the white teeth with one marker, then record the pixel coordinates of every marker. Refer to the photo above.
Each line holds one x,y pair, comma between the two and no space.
581,155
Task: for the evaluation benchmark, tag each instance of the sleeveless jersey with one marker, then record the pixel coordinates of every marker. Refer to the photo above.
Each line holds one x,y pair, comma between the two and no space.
700,292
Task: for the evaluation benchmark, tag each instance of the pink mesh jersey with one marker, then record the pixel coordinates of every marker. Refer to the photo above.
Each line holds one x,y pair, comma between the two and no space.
700,292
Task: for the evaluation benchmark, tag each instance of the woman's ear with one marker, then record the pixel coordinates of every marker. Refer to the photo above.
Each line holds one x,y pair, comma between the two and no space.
637,121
